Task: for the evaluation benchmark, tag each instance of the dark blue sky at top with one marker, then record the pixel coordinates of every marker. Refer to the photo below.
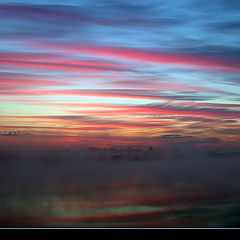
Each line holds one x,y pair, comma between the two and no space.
200,27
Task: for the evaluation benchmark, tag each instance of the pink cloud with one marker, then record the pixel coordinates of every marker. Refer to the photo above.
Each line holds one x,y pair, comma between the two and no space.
151,56
55,62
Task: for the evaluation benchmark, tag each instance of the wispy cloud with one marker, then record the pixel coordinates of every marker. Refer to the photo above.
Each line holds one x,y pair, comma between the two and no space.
69,69
150,56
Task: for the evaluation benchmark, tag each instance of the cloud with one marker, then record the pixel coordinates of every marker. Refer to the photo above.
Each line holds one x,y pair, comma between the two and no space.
150,56
55,14
203,141
188,139
204,119
103,14
54,62
105,93
104,60
195,111
219,52
94,121
108,93
174,136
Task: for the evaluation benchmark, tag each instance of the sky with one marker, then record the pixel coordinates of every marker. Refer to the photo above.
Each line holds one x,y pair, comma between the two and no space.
124,73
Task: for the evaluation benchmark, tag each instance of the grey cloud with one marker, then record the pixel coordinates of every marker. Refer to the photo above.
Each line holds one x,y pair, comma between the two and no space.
174,136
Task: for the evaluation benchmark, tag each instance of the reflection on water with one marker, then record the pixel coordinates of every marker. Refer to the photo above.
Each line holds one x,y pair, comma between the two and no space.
69,212
87,192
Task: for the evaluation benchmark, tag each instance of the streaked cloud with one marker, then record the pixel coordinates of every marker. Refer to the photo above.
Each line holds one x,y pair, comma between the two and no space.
83,71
